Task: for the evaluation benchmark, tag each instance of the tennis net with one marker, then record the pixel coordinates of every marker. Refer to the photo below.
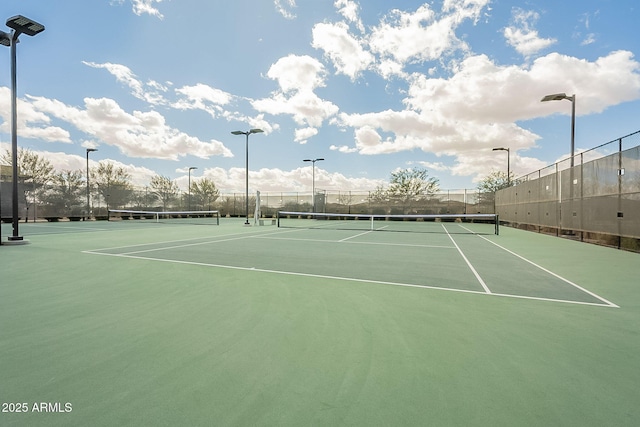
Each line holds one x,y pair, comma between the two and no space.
445,223
173,217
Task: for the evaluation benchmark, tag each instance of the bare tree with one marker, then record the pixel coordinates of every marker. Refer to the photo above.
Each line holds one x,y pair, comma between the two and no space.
489,185
64,198
113,183
493,182
408,186
35,172
164,189
204,193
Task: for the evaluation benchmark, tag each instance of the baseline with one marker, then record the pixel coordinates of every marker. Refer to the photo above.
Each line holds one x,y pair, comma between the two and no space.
557,276
345,279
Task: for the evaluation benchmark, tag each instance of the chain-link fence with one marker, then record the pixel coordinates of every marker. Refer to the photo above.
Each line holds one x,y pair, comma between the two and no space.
598,199
54,203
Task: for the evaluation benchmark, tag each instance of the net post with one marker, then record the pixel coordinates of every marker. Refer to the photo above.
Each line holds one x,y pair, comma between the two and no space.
497,225
157,217
372,228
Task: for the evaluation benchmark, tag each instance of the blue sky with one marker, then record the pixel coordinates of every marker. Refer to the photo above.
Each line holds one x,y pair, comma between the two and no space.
157,86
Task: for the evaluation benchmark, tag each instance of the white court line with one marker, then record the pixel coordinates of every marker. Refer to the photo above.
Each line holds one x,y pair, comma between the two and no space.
354,236
553,274
473,270
355,243
62,227
609,303
346,279
260,235
216,239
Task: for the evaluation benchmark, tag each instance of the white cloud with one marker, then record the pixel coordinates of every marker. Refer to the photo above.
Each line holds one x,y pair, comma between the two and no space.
349,9
203,97
346,52
151,92
477,108
201,93
140,176
31,123
401,37
295,72
589,39
343,148
437,166
197,97
141,134
277,181
302,135
141,7
297,76
284,8
522,36
419,36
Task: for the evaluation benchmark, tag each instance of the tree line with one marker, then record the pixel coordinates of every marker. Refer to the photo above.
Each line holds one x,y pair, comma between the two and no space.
64,192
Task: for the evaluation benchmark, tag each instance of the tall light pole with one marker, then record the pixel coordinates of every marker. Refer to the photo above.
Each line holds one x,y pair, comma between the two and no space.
572,98
508,163
19,25
313,181
189,200
88,215
247,133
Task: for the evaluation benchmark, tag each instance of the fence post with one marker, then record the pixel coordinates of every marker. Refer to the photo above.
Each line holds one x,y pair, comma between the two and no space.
559,206
581,197
619,211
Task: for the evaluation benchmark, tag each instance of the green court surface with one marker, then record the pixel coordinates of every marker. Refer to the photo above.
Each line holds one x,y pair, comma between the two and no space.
139,323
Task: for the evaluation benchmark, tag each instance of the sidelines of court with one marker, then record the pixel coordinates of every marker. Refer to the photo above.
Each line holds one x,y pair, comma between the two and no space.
263,235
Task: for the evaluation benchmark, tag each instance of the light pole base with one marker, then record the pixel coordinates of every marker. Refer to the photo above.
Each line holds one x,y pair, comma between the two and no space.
15,241
247,224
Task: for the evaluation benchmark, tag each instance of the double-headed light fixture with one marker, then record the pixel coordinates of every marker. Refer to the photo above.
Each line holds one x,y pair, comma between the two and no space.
19,25
247,133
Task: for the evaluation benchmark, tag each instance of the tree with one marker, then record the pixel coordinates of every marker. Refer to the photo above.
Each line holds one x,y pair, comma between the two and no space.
164,189
113,183
345,198
35,172
64,198
204,193
493,182
408,186
489,185
143,199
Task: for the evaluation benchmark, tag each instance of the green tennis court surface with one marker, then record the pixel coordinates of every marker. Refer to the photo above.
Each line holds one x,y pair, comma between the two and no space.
143,323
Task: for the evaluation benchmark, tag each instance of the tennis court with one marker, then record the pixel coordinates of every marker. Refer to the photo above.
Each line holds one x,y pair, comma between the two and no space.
139,322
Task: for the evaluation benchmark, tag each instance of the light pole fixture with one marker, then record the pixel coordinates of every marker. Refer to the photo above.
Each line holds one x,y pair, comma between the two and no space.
313,181
19,25
88,215
572,98
189,199
247,133
508,163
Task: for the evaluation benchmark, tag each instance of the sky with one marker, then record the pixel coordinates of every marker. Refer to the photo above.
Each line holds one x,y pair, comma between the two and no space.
157,87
